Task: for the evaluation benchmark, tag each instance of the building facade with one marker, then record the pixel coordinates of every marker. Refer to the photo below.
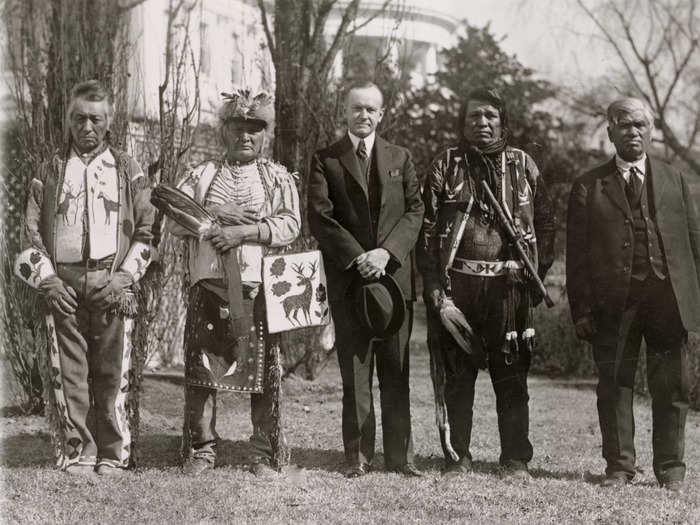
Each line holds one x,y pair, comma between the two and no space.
227,45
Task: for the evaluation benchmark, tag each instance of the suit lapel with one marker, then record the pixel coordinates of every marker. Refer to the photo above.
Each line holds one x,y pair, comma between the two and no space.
349,161
381,157
659,181
612,187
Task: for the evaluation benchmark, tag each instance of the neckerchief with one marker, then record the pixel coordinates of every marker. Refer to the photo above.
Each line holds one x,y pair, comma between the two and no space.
484,164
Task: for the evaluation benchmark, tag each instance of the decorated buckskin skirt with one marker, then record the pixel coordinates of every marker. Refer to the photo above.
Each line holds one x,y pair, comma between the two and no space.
214,358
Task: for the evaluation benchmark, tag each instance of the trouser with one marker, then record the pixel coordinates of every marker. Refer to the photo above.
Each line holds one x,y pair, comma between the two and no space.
481,300
200,401
651,312
90,354
201,414
356,356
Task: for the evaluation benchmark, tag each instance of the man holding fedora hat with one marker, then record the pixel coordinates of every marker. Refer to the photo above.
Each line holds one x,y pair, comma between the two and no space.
365,210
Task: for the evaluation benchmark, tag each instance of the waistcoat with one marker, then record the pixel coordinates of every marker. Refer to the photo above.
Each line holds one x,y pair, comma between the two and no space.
647,252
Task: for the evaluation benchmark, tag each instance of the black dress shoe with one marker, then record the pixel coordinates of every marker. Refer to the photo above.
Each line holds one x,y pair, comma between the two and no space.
356,470
453,470
515,470
674,486
409,469
262,469
195,466
616,479
518,475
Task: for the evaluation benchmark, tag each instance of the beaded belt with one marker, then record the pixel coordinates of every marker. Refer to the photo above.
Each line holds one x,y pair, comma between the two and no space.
485,268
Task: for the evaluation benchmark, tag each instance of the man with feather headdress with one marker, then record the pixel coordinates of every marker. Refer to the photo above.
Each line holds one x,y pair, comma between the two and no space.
255,205
478,295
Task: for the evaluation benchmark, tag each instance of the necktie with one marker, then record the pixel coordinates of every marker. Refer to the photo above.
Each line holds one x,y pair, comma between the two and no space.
632,187
362,156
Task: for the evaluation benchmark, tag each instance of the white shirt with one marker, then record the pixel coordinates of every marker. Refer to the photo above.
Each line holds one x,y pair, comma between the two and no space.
88,182
624,167
369,142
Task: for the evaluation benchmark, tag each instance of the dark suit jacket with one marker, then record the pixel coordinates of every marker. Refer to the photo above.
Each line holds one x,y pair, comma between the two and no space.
600,235
339,213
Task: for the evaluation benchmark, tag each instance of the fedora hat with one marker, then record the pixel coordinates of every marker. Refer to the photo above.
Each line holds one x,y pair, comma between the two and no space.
377,306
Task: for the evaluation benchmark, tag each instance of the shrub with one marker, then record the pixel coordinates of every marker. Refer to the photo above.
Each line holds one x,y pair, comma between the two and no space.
558,351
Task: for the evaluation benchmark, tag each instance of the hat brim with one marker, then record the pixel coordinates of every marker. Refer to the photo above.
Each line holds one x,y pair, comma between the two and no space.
361,317
244,120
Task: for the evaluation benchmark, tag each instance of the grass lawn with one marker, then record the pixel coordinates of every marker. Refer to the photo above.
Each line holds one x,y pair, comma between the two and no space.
566,468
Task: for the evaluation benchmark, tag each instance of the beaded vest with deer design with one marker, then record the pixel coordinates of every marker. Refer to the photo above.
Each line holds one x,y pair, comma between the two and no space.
87,209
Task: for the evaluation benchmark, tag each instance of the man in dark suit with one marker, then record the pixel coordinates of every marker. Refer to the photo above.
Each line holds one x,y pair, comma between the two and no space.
365,210
632,268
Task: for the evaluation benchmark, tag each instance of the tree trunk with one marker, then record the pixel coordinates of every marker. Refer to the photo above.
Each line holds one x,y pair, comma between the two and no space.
54,45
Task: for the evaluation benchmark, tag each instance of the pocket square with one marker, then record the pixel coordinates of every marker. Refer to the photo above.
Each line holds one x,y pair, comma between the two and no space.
395,173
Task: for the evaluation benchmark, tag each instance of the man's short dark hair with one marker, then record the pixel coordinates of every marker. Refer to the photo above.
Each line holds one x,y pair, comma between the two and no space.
91,90
483,94
362,84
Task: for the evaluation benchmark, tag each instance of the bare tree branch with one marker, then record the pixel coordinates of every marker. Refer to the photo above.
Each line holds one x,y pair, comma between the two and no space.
683,152
131,5
324,10
644,61
349,15
679,72
268,33
665,59
368,20
613,42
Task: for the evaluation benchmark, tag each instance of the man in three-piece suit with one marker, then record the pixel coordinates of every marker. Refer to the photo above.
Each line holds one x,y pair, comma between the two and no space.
365,210
632,268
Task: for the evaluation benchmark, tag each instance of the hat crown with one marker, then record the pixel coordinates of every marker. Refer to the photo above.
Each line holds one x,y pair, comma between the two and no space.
244,104
376,306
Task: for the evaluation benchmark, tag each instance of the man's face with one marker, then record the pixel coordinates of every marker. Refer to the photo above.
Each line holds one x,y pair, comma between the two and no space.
243,140
363,110
88,123
482,123
631,135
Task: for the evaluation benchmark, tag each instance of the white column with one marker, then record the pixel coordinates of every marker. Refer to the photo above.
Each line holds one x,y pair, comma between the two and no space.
393,58
431,60
337,70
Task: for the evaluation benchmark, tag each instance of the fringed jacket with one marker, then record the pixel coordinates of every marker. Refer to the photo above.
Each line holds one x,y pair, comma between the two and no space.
280,212
134,216
451,183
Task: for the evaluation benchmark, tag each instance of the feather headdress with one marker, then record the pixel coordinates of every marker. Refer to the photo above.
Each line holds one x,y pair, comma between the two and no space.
243,104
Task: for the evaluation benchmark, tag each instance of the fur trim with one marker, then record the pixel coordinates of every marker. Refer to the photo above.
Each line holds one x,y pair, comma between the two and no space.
273,388
127,303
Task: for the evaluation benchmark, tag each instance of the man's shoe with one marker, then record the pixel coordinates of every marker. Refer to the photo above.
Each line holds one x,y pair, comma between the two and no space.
195,466
517,474
262,469
454,470
356,470
81,470
409,469
106,470
675,487
616,479
515,470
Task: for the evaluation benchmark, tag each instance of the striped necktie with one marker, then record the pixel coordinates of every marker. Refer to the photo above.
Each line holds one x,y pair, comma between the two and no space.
362,156
633,186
